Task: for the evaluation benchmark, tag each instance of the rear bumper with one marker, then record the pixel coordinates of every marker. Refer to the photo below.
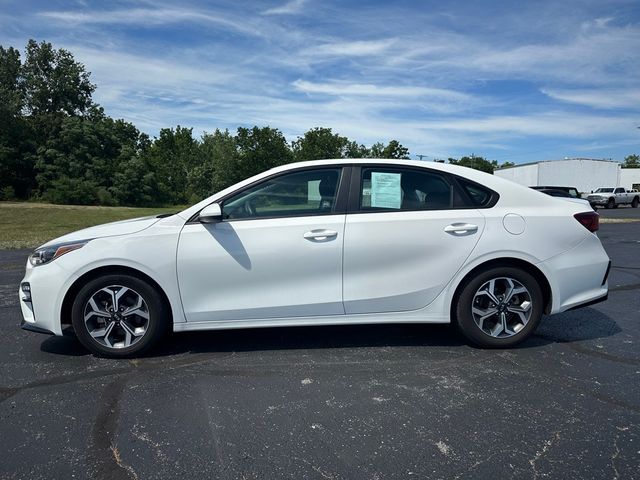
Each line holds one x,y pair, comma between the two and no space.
591,302
578,277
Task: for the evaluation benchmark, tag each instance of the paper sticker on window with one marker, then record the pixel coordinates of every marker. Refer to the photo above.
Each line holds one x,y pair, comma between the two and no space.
313,192
385,190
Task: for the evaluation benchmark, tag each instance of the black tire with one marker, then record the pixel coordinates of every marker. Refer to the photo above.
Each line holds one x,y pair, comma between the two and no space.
611,203
155,326
464,319
635,202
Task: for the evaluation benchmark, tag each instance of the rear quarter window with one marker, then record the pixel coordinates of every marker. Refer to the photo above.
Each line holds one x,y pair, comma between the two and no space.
476,195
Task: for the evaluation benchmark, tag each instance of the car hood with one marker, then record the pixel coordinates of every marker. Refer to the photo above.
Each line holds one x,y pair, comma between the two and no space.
123,227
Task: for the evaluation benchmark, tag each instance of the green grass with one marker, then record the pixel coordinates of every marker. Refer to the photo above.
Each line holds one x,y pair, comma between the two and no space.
28,225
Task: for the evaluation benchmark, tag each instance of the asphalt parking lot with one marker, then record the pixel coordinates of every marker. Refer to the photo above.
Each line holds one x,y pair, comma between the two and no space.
370,402
623,211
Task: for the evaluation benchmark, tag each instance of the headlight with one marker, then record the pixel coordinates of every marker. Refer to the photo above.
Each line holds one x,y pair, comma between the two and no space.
46,254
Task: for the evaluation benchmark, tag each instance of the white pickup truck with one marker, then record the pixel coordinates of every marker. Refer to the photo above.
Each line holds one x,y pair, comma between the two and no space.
611,197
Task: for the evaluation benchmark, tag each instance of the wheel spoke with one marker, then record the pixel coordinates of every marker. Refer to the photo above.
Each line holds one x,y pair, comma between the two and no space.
498,328
119,295
491,291
520,314
103,333
514,291
95,311
485,312
137,310
135,332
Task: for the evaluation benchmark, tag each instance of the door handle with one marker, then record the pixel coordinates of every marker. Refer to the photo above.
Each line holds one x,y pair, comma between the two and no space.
320,234
461,229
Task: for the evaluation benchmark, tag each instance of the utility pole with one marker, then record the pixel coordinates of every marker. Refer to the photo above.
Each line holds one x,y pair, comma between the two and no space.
421,156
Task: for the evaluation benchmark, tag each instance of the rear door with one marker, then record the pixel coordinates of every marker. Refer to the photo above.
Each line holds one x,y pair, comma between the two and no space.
404,239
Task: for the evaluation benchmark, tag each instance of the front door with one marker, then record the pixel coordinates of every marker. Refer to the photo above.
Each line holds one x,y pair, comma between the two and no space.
276,254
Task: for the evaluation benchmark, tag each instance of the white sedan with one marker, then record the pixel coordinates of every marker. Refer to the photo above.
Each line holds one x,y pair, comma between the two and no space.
327,242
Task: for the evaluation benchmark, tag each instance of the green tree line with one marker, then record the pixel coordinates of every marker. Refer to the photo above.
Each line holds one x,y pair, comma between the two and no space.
58,145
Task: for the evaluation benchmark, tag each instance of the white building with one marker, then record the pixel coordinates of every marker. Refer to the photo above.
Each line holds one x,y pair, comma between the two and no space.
586,174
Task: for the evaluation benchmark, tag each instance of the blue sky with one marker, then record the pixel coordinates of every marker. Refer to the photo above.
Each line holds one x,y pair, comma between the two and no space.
517,81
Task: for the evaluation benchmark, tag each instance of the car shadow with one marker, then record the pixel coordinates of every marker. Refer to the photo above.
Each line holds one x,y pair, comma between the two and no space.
573,326
576,326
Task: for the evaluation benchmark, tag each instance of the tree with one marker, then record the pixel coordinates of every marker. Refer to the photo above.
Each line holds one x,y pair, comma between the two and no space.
15,174
171,157
477,163
319,143
54,82
259,149
631,161
354,149
82,164
218,157
393,150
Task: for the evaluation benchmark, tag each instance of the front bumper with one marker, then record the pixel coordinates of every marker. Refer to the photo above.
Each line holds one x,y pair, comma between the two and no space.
598,200
34,328
47,283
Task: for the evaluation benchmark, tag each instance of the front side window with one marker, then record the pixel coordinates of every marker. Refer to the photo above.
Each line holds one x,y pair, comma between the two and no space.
307,192
404,189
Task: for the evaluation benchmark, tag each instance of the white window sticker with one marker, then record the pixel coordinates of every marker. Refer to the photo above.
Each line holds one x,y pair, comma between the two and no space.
385,190
313,191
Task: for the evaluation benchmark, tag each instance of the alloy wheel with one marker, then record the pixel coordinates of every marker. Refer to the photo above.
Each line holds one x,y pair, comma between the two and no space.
502,307
116,316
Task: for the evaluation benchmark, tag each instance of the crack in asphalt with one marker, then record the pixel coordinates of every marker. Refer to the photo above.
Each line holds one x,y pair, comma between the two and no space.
103,454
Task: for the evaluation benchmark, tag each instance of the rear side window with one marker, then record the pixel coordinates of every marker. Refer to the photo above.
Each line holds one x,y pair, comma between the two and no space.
478,195
404,189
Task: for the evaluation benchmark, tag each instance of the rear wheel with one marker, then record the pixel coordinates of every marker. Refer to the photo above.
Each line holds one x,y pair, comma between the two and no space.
119,316
635,202
499,308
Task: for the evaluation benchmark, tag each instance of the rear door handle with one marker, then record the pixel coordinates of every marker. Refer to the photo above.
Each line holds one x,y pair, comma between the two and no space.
460,229
320,234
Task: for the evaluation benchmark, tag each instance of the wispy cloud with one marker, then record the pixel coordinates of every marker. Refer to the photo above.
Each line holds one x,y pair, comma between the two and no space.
149,17
598,98
294,6
355,48
364,89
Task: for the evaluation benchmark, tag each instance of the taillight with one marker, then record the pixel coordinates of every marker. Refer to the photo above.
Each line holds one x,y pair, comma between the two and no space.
589,220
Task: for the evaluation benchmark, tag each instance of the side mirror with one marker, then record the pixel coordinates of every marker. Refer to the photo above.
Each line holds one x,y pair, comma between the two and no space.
210,214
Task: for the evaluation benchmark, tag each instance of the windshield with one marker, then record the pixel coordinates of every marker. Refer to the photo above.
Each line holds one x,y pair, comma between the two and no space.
604,190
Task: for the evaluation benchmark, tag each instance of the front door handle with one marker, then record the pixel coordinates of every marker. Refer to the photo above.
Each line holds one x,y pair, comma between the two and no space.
320,234
460,229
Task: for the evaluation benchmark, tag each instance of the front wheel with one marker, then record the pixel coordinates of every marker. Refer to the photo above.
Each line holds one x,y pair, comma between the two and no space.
119,316
611,203
635,202
499,307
